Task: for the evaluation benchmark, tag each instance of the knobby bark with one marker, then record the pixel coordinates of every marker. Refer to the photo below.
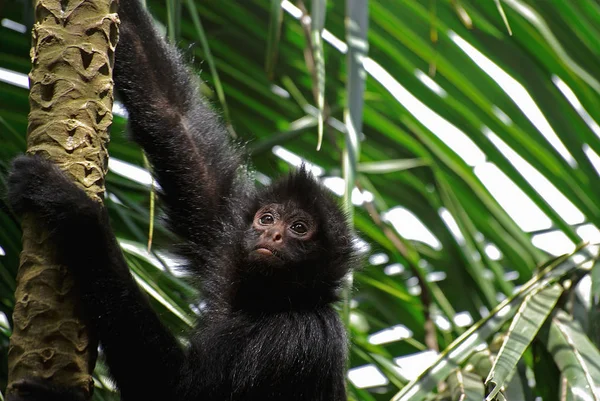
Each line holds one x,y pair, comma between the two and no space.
71,97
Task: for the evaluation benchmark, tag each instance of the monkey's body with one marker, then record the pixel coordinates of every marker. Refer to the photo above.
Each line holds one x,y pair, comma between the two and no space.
270,358
270,261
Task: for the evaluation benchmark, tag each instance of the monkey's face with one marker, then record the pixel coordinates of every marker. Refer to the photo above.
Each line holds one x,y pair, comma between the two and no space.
281,234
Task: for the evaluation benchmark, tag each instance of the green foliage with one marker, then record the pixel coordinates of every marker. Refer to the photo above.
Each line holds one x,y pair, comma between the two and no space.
438,120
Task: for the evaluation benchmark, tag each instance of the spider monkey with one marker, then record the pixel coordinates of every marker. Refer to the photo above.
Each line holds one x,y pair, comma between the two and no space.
270,260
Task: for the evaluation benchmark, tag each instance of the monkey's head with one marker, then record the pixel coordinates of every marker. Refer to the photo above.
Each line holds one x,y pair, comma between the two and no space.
298,234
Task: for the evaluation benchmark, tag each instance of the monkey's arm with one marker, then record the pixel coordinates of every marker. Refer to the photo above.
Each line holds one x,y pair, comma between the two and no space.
189,149
139,349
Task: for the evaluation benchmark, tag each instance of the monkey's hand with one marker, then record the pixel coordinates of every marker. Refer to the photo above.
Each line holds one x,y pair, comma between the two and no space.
34,389
37,186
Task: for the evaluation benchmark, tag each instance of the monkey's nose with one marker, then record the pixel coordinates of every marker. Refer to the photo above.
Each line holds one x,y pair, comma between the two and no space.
276,237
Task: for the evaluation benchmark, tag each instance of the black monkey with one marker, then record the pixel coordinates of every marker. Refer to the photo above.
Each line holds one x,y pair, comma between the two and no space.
270,260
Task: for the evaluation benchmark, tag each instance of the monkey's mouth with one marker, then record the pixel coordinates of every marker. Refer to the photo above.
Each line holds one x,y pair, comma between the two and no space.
266,251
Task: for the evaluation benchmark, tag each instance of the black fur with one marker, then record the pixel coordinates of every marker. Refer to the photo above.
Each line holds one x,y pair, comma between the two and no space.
267,333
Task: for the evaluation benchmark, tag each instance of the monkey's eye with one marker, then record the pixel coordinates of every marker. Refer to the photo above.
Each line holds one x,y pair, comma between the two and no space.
299,228
266,219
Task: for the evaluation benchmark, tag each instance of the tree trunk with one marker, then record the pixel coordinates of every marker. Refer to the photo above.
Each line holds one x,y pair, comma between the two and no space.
71,97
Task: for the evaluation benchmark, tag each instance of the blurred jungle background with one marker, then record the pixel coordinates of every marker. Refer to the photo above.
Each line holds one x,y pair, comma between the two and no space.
469,163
